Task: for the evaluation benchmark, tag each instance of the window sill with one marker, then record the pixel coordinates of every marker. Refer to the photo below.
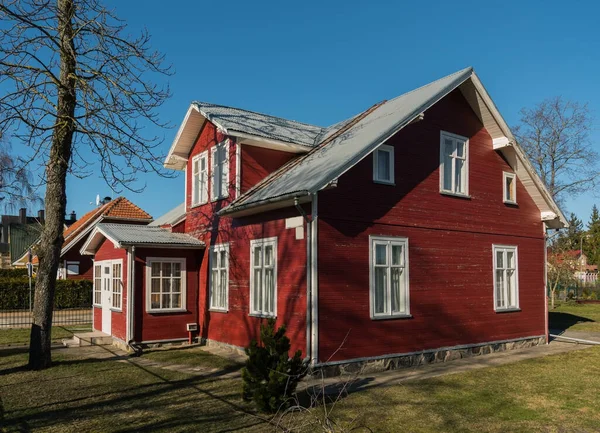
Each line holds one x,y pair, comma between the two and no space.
216,199
116,310
218,310
507,310
392,317
193,206
510,203
167,311
384,182
263,315
97,305
455,194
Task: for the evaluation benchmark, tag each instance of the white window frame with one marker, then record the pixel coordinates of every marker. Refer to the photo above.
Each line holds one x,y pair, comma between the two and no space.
263,243
389,241
112,285
515,294
506,198
97,288
390,151
67,265
219,172
182,262
200,179
455,138
218,248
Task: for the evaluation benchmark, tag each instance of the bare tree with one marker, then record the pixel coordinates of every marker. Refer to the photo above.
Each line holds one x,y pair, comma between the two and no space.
16,188
562,266
80,93
555,136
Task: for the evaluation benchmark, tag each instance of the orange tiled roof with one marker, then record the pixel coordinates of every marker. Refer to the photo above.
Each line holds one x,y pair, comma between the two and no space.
119,208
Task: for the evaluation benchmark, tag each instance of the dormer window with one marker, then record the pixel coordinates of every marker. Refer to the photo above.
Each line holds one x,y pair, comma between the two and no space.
220,171
454,164
200,179
510,187
383,165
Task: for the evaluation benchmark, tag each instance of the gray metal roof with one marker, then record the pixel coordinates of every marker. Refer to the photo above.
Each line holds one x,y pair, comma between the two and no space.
335,154
261,125
131,234
171,217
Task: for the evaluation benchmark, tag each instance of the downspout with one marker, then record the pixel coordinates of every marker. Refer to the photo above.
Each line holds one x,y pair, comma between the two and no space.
308,275
547,330
131,299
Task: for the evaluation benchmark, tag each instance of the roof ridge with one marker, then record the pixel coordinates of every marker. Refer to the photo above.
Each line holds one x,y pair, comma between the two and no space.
262,114
433,82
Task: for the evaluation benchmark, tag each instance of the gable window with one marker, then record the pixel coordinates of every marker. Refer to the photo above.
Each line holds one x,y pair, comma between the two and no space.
389,277
117,285
263,277
98,285
454,164
383,165
220,171
509,181
200,179
506,281
219,277
165,284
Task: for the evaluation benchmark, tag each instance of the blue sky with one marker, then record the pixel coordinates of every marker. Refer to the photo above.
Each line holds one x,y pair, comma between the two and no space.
320,62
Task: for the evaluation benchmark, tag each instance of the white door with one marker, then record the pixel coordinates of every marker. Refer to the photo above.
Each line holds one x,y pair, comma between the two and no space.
106,297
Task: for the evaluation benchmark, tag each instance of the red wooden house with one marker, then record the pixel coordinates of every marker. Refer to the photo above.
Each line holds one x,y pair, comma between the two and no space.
410,231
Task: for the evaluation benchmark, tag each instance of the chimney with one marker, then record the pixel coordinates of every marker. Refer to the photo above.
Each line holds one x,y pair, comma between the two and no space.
41,216
106,200
73,217
23,215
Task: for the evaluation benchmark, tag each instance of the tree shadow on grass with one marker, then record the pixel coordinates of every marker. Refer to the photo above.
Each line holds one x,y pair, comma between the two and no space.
563,321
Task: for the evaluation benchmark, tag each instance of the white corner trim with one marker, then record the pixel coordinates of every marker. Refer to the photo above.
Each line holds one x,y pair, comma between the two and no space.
238,168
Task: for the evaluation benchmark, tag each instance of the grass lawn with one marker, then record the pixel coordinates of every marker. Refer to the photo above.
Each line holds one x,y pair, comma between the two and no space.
20,336
575,317
556,393
188,356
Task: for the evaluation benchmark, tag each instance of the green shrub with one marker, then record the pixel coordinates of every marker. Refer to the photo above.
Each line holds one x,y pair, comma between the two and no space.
14,293
13,273
270,375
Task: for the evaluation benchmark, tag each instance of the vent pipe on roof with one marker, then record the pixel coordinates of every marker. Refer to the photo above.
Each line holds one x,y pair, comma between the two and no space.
23,215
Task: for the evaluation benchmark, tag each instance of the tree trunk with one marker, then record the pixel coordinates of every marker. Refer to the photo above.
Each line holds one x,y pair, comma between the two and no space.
56,198
552,292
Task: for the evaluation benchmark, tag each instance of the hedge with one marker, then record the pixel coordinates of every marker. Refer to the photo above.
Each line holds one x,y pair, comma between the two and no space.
13,273
14,293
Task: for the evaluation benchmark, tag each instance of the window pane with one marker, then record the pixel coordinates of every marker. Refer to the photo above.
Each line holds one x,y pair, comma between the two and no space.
166,286
176,301
509,288
397,258
509,189
510,259
155,269
166,269
214,257
155,301
380,254
448,147
257,255
397,290
499,288
460,149
268,255
202,164
155,285
500,259
269,291
459,178
223,261
166,301
380,289
257,290
176,267
223,289
447,174
176,285
383,165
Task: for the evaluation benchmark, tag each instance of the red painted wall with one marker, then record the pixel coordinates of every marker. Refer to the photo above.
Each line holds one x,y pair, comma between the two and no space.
237,327
258,162
165,326
450,246
107,251
86,272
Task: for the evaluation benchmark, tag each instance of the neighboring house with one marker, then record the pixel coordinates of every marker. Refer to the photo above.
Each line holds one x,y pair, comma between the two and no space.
72,264
584,272
416,226
174,219
17,233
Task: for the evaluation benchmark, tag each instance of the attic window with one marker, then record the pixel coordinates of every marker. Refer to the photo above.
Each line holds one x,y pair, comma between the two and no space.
509,181
200,179
220,171
454,164
383,165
